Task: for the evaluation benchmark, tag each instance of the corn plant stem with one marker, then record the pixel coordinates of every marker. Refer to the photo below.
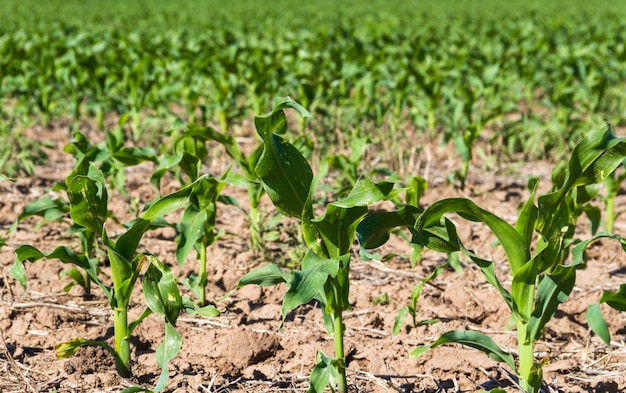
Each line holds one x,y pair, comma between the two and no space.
255,222
610,213
339,352
526,356
203,276
122,341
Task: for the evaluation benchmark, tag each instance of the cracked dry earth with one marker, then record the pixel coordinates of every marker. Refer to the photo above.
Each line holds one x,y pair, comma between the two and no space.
243,349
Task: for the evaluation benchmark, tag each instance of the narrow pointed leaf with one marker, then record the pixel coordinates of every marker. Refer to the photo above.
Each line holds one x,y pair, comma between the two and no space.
553,290
472,339
597,323
165,352
285,173
160,290
268,275
374,230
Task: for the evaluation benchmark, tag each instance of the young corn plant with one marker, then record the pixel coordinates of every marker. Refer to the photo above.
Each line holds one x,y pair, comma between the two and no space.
192,143
197,226
324,273
536,247
111,158
88,201
613,184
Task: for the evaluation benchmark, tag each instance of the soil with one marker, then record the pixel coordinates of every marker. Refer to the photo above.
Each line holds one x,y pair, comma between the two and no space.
244,349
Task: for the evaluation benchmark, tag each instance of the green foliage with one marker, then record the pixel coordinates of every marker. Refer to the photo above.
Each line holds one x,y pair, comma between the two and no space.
541,278
324,271
88,200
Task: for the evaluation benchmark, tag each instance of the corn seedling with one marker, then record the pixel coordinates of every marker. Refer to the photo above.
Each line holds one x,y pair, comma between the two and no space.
88,198
287,179
541,281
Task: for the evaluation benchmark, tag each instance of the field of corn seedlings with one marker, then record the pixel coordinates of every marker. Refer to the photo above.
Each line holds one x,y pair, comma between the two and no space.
381,197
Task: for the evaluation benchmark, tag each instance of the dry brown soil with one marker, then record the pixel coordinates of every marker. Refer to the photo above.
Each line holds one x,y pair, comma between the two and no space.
243,349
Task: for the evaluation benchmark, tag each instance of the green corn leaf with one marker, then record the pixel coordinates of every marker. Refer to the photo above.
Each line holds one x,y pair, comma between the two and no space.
472,339
578,252
46,207
166,162
145,314
307,283
616,300
165,352
592,161
206,311
597,323
268,275
512,242
169,203
88,203
442,238
77,279
18,272
191,231
65,255
338,226
553,290
130,156
417,188
527,218
209,134
191,165
285,173
366,192
125,274
127,243
446,239
374,230
160,290
323,374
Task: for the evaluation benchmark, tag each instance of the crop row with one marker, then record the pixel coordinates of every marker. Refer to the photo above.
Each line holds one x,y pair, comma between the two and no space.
532,83
541,248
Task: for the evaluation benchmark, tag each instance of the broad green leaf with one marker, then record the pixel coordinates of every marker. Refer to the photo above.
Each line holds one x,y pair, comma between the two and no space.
597,323
191,230
472,339
415,191
166,162
206,311
125,273
285,173
65,255
18,272
46,207
616,300
88,203
165,352
338,226
374,230
513,243
322,374
169,203
592,161
77,279
268,275
366,192
127,243
553,290
160,290
305,284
